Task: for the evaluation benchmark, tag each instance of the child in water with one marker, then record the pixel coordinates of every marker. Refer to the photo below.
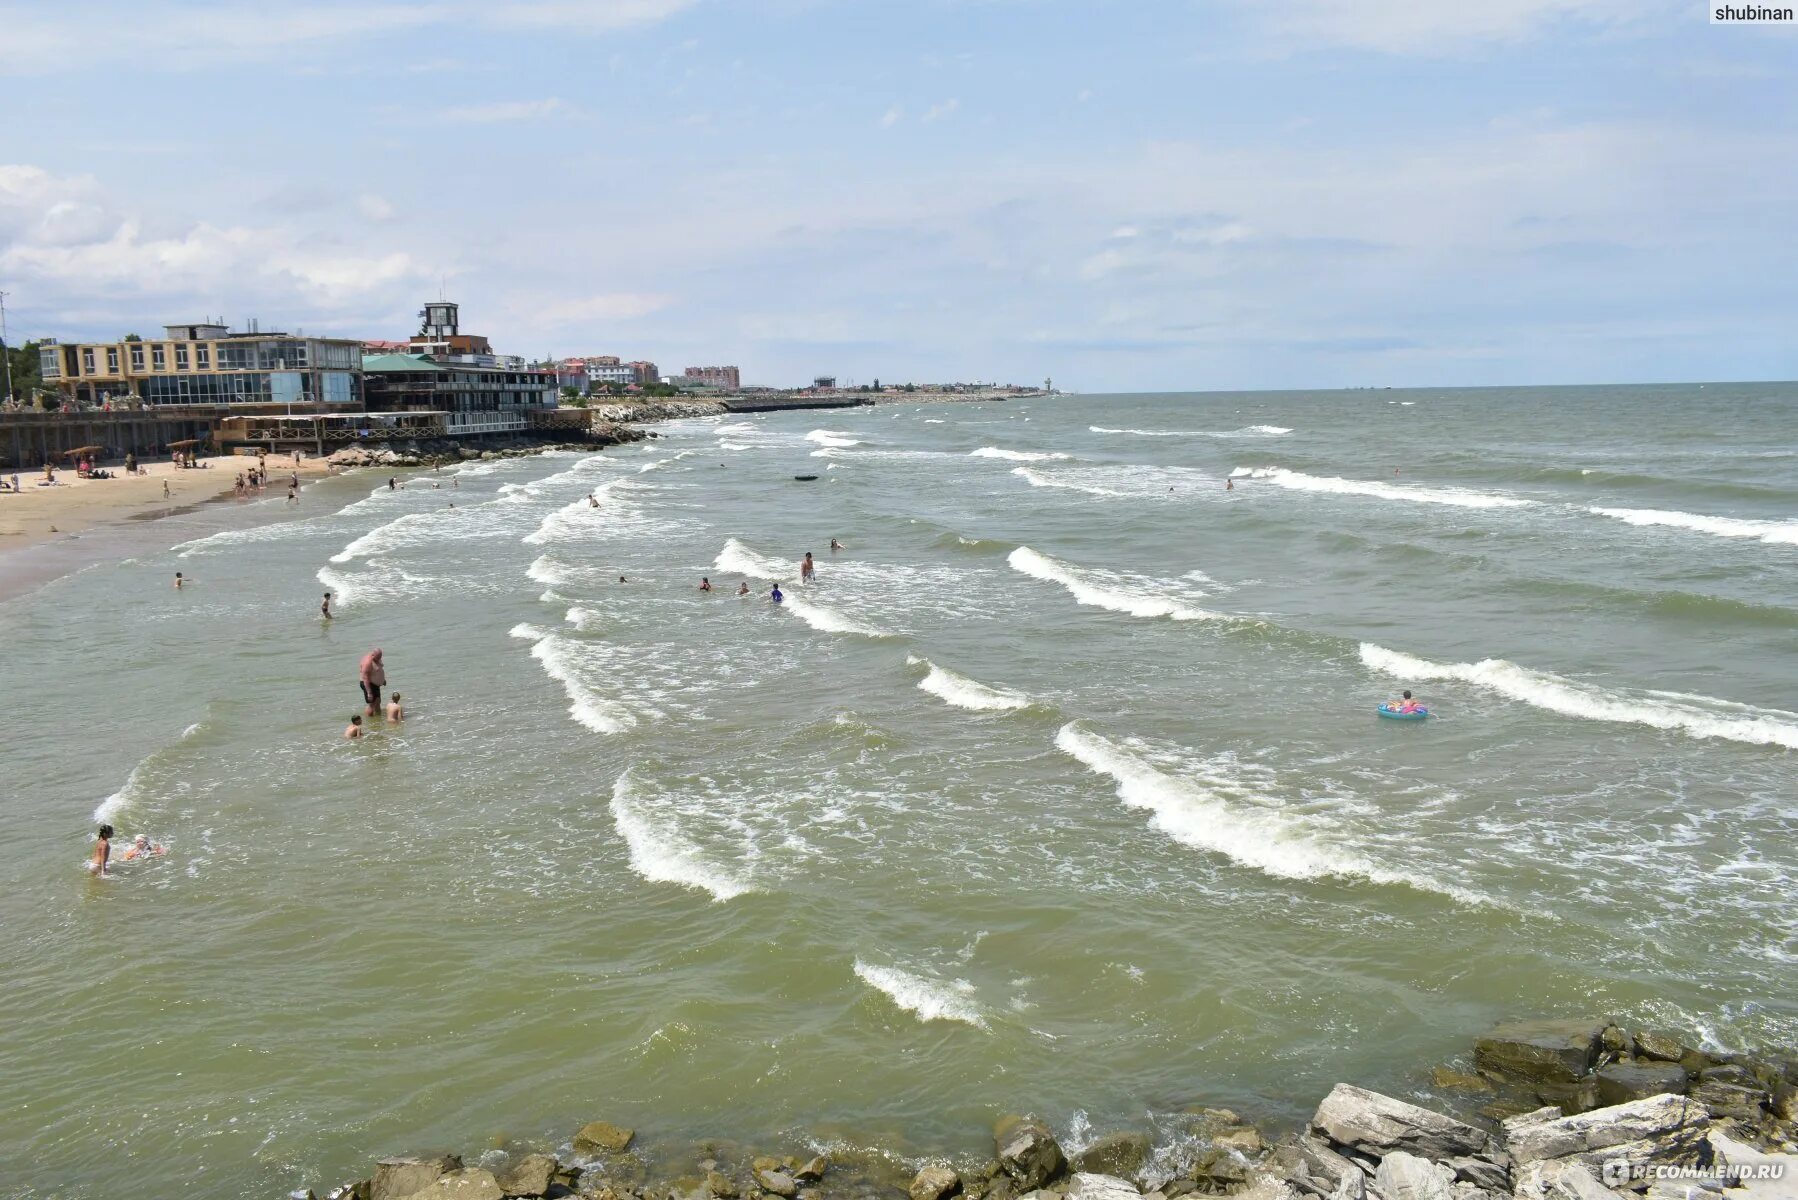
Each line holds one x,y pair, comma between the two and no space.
102,851
142,847
774,594
395,713
354,729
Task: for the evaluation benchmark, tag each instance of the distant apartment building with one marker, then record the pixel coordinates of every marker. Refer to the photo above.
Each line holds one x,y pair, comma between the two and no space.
726,378
205,363
646,373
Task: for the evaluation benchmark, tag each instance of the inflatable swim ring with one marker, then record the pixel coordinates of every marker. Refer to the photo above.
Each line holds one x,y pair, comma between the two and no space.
1387,711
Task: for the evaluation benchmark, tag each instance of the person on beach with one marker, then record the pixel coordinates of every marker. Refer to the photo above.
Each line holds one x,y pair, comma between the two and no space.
354,729
774,594
142,847
395,711
743,588
808,573
324,607
373,678
178,581
705,585
102,851
165,488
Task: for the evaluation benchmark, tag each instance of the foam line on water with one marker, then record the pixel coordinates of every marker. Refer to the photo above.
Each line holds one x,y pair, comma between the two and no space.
829,620
738,559
1699,716
1778,533
1097,589
132,789
1199,811
1016,455
1038,479
661,853
1251,431
559,657
925,999
1299,481
963,692
832,439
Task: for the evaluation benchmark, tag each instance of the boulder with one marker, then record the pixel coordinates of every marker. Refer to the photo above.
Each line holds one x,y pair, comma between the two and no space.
396,1178
1659,1129
1619,1083
1353,1186
1482,1173
602,1137
1731,1100
720,1185
1218,1172
1027,1152
1403,1176
1661,1047
774,1181
1562,1181
1555,1052
532,1175
1266,1187
1120,1154
1309,1161
1452,1080
470,1184
1377,1125
934,1183
1088,1185
812,1170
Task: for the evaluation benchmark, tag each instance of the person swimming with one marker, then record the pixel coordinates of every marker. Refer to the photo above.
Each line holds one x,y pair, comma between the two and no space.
142,847
324,607
1229,485
836,545
705,585
743,588
178,580
774,594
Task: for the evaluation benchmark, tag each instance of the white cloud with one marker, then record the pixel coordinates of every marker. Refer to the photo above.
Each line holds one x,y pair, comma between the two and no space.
507,110
375,208
938,111
892,117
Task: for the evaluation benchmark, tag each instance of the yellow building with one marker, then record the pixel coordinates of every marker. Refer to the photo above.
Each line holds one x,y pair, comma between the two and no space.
208,364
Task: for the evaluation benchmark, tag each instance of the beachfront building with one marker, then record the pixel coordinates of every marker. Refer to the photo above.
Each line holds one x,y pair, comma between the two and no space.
726,378
475,397
204,363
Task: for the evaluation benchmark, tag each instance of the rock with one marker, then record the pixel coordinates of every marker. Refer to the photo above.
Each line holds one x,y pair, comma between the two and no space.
720,1185
1088,1185
1619,1083
813,1169
531,1175
399,1177
775,1181
1404,1176
1308,1160
1615,1042
1659,1046
1482,1173
1458,1081
1028,1152
601,1137
1377,1125
470,1184
1242,1141
1659,1129
934,1183
1352,1187
1563,1181
1733,1101
1556,1052
1266,1187
1120,1154
1218,1172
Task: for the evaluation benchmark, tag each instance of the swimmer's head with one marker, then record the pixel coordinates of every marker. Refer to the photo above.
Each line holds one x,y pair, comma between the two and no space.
356,720
142,839
1407,695
106,831
376,655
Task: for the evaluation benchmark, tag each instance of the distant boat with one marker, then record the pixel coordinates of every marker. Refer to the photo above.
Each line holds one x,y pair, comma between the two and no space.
805,478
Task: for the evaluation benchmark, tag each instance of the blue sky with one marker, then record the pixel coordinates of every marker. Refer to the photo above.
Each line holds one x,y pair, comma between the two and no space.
1135,195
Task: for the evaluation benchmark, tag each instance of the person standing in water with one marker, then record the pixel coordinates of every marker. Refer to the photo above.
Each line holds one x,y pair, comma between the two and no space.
178,581
324,607
705,585
102,851
395,712
808,572
836,545
373,678
774,594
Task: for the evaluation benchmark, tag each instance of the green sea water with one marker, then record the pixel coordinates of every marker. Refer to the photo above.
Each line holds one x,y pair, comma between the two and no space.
1061,789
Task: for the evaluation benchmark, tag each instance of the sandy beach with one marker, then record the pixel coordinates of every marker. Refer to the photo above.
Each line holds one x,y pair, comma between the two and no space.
74,505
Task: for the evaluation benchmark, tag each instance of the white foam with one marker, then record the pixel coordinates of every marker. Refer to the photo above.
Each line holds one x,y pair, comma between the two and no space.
1458,497
227,538
1779,533
1270,430
109,808
660,853
1038,479
734,427
926,999
828,620
1138,432
831,439
560,659
1104,589
1251,431
1221,815
967,693
1014,455
738,559
1699,716
343,590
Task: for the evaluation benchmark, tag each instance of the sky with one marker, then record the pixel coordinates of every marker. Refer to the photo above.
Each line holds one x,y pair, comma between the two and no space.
1118,194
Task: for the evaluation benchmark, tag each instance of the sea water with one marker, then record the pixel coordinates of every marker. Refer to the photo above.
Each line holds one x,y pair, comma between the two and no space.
1061,789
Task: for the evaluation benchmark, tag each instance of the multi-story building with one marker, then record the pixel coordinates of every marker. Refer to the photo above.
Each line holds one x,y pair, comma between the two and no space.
205,363
645,372
726,378
477,390
622,374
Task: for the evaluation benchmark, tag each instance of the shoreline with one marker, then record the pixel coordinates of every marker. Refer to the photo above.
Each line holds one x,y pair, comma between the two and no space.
1578,1109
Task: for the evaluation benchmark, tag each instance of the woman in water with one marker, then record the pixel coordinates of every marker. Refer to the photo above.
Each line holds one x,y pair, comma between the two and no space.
102,851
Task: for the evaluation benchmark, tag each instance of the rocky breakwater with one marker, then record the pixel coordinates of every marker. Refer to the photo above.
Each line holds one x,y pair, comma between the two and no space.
1642,1116
637,412
436,452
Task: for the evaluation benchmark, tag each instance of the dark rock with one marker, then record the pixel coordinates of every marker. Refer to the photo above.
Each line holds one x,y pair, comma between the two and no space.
1452,1080
1120,1154
720,1185
1616,1043
1659,1046
1377,1125
1311,1158
1733,1101
1218,1172
812,1170
1555,1052
934,1183
602,1137
1482,1173
1028,1152
1619,1083
396,1178
532,1175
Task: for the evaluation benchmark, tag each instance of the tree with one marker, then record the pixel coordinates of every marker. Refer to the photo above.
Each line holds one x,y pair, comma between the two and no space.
132,337
570,392
25,377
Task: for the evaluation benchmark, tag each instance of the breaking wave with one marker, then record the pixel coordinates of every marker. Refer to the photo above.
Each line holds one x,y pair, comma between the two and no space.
660,853
966,693
1105,589
1301,482
1778,533
925,999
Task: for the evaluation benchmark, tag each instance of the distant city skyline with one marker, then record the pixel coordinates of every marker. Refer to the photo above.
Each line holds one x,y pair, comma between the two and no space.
1124,197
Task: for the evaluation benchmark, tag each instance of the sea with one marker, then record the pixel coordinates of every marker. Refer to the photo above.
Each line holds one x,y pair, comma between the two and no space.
1062,789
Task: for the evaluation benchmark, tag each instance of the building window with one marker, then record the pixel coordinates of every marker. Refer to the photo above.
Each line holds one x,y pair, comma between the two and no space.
180,358
202,358
137,356
158,358
48,364
87,362
112,360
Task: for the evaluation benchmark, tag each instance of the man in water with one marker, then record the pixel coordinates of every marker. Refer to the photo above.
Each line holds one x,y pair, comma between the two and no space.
395,712
324,607
177,581
774,594
592,500
392,483
353,730
705,585
808,573
743,588
1229,485
293,494
373,677
102,851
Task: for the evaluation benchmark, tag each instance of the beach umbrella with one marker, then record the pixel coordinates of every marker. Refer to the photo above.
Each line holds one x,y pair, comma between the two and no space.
81,450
